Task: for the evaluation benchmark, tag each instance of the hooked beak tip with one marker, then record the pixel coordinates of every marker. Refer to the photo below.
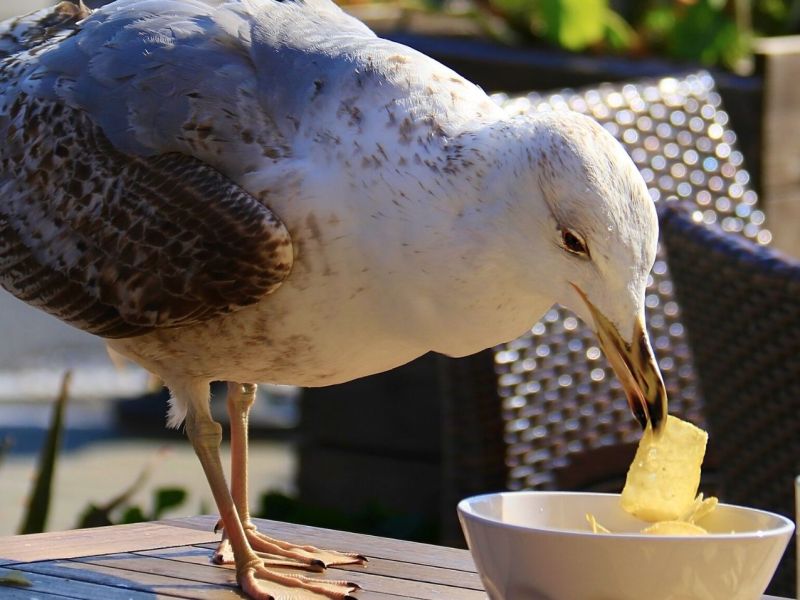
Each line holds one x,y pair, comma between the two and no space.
649,385
636,367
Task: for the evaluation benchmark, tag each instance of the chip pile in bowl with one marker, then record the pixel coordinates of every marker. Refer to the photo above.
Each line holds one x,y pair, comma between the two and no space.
661,486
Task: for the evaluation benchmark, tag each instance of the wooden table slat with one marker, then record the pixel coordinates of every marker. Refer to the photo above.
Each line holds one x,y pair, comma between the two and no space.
12,593
168,560
65,586
101,540
159,587
369,581
149,585
378,547
376,566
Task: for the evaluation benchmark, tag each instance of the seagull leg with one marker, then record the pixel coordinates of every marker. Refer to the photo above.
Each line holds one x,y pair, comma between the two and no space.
257,581
240,400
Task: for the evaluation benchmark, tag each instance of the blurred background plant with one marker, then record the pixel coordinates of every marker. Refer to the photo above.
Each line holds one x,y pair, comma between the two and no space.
35,517
373,519
120,510
116,511
709,32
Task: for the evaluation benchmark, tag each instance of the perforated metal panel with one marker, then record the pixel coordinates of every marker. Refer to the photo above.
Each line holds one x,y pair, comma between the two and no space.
559,394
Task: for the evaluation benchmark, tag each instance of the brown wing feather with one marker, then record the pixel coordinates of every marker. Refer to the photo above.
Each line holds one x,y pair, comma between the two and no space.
119,245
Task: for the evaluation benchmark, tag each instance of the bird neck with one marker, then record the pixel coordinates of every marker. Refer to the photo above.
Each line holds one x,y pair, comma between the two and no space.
487,257
505,201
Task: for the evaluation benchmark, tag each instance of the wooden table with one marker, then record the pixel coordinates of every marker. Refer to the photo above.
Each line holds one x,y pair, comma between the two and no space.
169,559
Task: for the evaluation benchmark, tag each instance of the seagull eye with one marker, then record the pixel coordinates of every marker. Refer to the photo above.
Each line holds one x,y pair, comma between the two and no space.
574,243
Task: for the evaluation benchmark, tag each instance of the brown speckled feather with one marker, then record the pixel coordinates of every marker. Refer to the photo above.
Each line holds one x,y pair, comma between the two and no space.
119,245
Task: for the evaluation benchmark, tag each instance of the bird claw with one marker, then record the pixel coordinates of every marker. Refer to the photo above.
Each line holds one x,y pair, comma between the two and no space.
277,553
260,583
223,555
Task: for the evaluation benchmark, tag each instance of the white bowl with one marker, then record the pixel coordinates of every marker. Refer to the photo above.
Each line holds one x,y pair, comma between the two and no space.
538,546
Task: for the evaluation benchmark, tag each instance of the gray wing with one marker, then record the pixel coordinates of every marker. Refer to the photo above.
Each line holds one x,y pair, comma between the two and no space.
108,219
227,82
118,245
108,233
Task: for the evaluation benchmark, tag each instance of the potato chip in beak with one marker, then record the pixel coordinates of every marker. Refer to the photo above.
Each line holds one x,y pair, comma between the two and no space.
635,365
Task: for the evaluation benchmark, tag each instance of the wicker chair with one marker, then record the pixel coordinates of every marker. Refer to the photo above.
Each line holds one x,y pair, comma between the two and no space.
741,307
551,394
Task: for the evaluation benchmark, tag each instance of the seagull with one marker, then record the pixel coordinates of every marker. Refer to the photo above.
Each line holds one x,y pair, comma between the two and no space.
265,191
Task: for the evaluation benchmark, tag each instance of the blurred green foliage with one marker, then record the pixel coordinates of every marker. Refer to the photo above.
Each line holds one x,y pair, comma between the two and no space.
372,519
5,446
571,24
15,579
35,517
776,17
705,31
710,32
119,511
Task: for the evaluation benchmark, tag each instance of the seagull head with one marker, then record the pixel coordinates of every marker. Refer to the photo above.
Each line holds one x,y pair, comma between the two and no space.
592,221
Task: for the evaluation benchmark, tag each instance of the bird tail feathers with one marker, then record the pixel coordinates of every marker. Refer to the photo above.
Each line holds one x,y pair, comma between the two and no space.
177,411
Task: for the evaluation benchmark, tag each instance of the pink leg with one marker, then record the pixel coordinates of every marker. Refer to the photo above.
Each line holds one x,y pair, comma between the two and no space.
256,580
280,553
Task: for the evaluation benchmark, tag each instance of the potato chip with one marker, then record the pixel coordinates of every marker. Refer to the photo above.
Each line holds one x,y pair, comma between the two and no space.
699,509
674,528
662,480
596,527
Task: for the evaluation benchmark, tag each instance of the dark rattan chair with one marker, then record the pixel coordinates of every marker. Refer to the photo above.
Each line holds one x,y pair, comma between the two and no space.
741,306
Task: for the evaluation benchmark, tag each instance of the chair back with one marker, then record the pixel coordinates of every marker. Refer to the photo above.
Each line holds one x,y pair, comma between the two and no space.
740,303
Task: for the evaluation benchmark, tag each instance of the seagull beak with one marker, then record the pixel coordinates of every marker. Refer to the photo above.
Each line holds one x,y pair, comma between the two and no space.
636,367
